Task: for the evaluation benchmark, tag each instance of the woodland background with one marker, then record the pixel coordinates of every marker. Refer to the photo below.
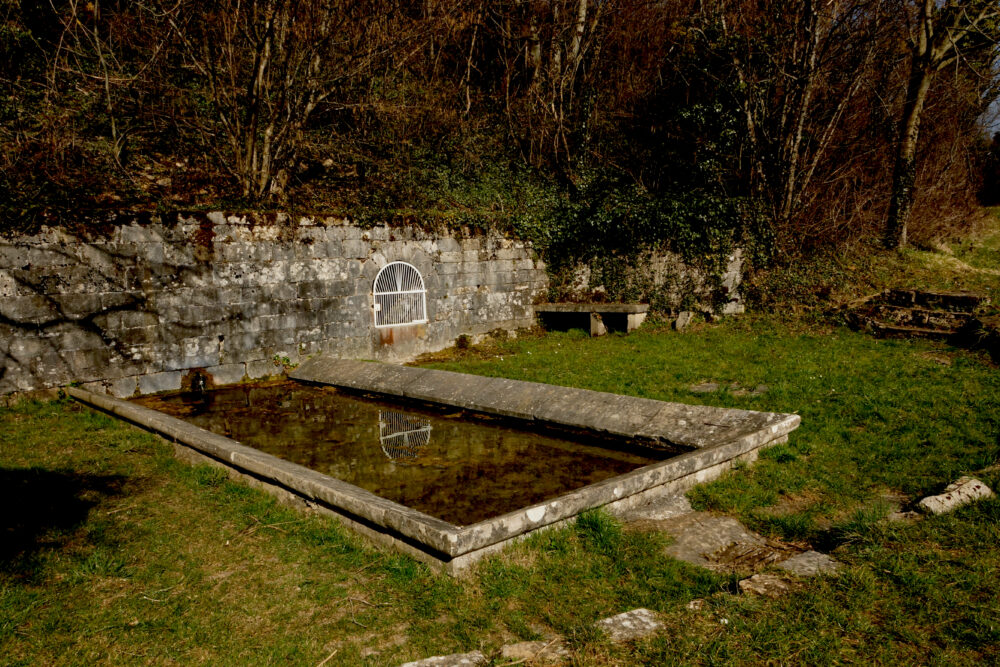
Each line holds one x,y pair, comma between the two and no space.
579,124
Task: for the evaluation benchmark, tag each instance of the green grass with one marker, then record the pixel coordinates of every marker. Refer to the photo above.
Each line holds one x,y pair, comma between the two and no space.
115,553
837,275
147,559
878,417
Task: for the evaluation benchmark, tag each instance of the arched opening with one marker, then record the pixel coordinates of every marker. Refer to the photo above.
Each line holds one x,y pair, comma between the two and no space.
400,297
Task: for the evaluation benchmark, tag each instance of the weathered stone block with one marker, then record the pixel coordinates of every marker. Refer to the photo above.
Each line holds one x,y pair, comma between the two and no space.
121,301
227,373
454,660
77,306
262,368
312,289
537,652
448,244
355,249
157,382
235,346
13,256
139,336
765,585
287,339
33,309
9,286
120,388
964,490
630,625
201,351
809,564
136,318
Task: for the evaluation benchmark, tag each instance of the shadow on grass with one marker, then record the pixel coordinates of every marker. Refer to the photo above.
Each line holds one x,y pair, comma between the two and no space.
42,507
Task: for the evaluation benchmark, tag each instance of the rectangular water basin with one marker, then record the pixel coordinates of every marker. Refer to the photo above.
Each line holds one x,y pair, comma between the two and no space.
427,476
446,463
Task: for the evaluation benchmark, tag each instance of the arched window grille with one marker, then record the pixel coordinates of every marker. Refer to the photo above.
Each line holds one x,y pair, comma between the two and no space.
400,297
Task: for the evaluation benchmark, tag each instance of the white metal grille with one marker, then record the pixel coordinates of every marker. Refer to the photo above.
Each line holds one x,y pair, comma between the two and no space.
400,297
402,436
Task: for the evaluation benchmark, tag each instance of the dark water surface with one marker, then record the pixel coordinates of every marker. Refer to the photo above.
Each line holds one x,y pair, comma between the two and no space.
444,464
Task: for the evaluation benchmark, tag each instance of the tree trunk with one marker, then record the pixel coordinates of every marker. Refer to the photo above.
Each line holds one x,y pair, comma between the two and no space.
581,22
905,171
807,75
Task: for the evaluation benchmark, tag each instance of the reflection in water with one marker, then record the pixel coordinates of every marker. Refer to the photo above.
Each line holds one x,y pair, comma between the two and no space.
402,435
469,471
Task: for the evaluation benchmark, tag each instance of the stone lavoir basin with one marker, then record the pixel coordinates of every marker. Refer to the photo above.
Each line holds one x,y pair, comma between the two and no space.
444,466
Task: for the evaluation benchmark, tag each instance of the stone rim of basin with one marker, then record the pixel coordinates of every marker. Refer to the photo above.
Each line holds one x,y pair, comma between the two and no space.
737,433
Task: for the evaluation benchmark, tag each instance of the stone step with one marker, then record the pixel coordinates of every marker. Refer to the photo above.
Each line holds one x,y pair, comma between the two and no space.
964,302
920,318
883,330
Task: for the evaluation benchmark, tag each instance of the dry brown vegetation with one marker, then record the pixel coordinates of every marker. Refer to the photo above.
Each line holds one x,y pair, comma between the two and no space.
629,121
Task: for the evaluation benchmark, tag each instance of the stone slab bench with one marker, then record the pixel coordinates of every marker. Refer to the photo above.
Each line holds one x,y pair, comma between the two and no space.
631,314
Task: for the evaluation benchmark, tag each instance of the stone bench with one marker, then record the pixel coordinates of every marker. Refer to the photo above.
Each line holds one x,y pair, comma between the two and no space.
623,316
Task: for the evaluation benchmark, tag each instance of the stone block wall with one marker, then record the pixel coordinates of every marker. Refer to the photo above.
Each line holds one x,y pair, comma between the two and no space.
139,307
658,277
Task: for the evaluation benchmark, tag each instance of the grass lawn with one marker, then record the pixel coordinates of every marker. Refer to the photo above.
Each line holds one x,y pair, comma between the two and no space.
115,553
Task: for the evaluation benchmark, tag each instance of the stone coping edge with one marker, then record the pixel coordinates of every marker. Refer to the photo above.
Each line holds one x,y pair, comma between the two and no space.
440,536
735,432
629,417
432,532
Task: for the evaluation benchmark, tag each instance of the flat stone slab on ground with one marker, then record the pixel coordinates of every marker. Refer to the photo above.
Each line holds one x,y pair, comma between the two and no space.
766,585
453,660
698,535
704,539
539,652
759,390
748,556
809,564
630,625
705,387
963,490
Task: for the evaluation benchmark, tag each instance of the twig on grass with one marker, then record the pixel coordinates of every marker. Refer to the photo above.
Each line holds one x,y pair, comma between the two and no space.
327,658
253,528
162,590
370,604
365,567
353,619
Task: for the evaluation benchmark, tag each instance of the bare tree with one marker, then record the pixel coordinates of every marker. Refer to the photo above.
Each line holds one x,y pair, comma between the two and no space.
267,65
551,47
943,34
795,95
87,54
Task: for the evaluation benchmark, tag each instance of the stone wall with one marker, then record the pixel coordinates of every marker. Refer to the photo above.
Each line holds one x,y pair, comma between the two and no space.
144,304
658,277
